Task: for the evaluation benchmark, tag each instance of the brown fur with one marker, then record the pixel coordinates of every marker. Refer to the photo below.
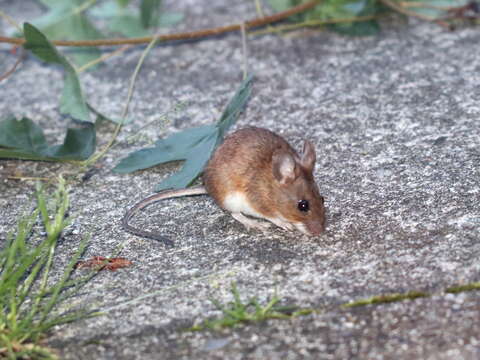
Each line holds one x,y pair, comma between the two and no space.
243,163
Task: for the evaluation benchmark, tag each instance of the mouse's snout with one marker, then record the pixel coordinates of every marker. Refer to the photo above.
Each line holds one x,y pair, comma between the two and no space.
316,227
315,224
312,227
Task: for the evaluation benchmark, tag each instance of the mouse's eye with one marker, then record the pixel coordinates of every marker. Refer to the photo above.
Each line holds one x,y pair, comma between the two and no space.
303,205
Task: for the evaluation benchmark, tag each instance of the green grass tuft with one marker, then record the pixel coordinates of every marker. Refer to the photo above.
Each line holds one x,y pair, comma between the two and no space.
237,312
29,301
387,298
462,288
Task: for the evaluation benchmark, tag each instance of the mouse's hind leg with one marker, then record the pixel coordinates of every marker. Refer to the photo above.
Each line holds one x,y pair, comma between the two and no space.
250,223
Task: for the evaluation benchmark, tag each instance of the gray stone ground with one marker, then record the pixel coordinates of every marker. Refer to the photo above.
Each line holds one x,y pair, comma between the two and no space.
395,121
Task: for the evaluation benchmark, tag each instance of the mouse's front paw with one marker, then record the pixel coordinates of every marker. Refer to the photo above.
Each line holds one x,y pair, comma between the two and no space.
285,225
250,223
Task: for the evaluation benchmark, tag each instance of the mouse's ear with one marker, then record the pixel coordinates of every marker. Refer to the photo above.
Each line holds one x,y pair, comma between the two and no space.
283,166
308,156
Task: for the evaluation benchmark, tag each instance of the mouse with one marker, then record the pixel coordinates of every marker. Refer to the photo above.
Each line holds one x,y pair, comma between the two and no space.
255,175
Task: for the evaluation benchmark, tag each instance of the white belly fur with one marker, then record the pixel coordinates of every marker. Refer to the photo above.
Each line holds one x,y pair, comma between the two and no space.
237,202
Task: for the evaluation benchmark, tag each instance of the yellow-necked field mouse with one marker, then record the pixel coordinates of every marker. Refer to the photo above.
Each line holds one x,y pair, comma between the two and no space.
256,173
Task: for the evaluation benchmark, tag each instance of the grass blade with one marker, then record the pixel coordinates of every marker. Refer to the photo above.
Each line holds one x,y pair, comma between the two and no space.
27,302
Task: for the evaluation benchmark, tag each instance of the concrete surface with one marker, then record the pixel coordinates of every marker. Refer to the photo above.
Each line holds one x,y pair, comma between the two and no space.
395,121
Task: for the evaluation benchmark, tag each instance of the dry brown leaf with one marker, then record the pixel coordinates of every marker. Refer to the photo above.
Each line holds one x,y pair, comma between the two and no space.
103,263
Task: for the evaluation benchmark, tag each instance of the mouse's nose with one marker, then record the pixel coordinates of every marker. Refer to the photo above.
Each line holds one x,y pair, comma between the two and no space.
317,227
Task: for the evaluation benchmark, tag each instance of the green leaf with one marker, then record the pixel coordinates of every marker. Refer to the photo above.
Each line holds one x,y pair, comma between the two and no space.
127,25
354,8
283,5
52,3
235,106
195,161
72,101
130,25
122,21
66,21
150,12
431,11
280,5
23,139
194,145
172,148
169,19
340,9
107,9
364,28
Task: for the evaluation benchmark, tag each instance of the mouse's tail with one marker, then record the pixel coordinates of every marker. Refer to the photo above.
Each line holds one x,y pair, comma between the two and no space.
167,194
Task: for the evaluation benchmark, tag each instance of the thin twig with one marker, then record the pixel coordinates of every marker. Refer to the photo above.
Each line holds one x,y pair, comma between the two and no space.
34,178
127,104
312,23
103,58
190,35
135,74
395,6
14,67
407,4
244,52
162,117
258,7
82,7
399,8
11,21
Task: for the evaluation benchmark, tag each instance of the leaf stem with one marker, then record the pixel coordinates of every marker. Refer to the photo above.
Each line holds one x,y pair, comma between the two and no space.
11,21
28,178
127,104
14,67
103,58
162,117
392,4
244,51
135,74
258,8
311,23
82,7
412,4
